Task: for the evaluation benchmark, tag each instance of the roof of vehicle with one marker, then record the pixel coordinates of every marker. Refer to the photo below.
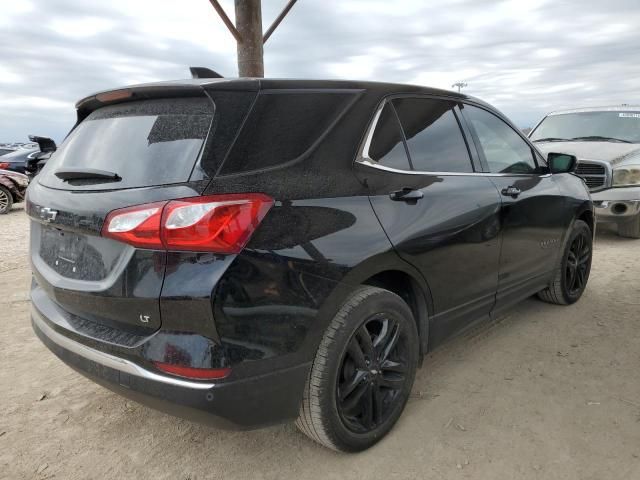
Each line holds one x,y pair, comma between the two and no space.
610,108
278,83
193,86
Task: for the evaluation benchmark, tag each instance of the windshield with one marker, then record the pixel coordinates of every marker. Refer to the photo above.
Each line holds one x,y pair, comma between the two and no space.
623,126
144,143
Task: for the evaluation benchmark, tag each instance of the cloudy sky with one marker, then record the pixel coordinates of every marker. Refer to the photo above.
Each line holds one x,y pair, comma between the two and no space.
524,56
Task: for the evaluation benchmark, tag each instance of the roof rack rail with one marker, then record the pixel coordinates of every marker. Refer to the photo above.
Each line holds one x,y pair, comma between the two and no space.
203,72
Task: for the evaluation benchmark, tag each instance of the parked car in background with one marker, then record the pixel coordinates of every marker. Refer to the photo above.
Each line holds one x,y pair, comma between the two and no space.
37,161
5,150
16,161
606,141
29,158
13,186
251,251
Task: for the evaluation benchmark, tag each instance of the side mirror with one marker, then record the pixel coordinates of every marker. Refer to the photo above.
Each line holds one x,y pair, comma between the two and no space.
561,162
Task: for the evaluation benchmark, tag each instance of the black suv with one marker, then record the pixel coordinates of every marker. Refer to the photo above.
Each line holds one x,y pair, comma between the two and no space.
248,251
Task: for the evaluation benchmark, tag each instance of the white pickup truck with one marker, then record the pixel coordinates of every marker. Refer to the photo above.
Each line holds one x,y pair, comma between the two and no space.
606,142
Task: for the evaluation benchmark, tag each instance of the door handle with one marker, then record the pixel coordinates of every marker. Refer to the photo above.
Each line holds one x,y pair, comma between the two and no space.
407,194
511,191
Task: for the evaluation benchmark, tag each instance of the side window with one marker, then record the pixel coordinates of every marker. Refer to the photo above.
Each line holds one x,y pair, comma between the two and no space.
433,135
387,146
504,149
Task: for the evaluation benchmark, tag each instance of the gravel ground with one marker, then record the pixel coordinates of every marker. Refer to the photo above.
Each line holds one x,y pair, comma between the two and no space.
547,392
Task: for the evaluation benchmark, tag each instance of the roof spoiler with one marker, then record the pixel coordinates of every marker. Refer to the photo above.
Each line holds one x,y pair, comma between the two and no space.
202,72
46,144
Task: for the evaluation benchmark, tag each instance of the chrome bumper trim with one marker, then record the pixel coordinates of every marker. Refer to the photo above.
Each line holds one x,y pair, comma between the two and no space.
108,360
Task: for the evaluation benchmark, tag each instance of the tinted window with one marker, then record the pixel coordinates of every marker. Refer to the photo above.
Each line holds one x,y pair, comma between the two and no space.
504,149
283,126
433,135
146,143
387,146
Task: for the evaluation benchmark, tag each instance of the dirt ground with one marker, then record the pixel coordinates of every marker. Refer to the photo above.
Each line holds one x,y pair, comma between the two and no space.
545,393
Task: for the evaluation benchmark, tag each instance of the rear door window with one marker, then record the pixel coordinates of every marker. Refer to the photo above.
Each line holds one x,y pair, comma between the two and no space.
387,145
146,143
434,138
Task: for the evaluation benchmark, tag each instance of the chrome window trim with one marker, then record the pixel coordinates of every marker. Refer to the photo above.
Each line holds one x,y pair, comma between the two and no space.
372,127
365,159
372,164
109,360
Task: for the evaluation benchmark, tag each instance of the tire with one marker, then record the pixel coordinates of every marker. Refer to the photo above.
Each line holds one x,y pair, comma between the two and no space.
630,229
338,409
567,288
6,200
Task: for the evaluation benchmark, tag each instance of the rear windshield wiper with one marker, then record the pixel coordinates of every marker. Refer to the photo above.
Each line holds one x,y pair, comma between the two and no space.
597,138
85,173
550,139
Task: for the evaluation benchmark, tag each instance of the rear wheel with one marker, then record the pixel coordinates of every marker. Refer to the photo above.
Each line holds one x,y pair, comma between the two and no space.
630,229
363,372
572,274
6,200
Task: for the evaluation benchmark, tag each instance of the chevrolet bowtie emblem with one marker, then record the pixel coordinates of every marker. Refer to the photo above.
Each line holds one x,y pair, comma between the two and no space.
48,214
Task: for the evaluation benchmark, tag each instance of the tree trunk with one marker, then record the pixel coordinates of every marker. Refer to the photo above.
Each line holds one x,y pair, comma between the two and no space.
249,25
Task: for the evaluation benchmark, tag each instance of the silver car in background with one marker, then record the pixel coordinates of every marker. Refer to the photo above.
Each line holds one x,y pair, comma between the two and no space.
606,142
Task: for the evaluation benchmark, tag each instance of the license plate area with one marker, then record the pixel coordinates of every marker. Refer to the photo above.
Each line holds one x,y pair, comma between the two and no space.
70,255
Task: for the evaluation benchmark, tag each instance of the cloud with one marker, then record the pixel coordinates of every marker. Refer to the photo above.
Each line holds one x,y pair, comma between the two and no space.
524,57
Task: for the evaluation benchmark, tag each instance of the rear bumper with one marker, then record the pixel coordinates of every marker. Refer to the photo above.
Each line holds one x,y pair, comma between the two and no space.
618,205
241,404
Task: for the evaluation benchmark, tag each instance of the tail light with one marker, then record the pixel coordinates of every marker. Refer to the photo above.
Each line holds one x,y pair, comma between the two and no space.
215,223
4,165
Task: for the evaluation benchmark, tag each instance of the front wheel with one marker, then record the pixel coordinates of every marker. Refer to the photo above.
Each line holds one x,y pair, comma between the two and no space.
6,200
571,275
363,372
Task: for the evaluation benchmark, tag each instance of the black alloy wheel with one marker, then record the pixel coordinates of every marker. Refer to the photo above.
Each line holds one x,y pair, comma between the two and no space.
578,264
372,374
572,273
363,372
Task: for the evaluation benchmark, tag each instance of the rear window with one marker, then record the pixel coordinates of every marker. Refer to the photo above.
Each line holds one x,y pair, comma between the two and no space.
147,143
283,126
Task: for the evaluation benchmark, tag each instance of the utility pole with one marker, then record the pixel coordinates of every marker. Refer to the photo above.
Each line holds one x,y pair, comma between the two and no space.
460,85
248,33
249,25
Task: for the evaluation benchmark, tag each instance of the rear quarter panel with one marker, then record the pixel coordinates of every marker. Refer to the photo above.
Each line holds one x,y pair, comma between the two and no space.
275,300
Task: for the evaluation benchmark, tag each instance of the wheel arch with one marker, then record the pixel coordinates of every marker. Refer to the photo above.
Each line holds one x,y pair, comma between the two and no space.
588,216
409,289
388,271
